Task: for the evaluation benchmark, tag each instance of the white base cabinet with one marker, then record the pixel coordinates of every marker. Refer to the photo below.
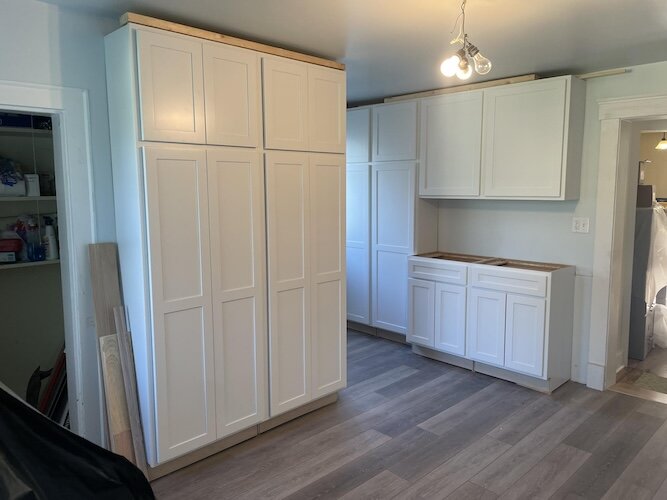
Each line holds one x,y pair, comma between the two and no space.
513,322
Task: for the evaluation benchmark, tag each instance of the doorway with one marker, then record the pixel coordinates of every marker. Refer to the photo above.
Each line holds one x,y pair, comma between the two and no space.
68,109
32,358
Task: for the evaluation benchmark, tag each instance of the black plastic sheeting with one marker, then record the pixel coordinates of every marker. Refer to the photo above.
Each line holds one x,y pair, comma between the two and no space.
41,460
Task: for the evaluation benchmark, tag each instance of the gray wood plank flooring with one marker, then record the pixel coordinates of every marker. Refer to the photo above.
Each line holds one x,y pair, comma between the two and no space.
409,427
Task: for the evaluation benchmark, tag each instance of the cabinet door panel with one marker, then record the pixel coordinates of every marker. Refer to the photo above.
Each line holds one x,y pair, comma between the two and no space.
326,110
358,149
523,139
524,338
450,318
177,216
285,87
358,245
172,89
486,326
451,135
393,201
395,131
288,233
232,90
236,208
327,273
420,312
390,291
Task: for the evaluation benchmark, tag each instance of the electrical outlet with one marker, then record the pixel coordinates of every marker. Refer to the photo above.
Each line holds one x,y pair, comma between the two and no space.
580,224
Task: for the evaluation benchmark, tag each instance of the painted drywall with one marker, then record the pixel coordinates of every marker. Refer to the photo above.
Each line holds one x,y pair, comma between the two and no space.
655,173
51,45
542,230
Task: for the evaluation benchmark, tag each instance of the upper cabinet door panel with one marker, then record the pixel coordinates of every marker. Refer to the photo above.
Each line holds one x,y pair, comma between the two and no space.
524,129
451,132
358,149
395,131
285,86
172,88
326,110
231,83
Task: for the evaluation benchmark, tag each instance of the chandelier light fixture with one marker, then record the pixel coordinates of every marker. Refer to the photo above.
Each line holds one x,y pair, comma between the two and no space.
663,143
460,63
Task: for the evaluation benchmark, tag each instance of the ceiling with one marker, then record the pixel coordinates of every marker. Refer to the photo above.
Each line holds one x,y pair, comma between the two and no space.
395,46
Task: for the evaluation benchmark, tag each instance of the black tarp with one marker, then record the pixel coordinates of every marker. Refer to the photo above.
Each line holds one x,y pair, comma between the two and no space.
41,460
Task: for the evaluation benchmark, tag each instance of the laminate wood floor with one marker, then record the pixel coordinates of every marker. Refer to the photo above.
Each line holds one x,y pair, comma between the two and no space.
410,427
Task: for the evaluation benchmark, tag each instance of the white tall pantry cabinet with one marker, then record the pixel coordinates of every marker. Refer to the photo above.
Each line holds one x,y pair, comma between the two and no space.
386,221
231,250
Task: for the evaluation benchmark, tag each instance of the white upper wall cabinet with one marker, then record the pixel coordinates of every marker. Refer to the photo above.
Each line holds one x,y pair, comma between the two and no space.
395,131
231,83
172,88
285,104
358,135
451,131
326,110
531,146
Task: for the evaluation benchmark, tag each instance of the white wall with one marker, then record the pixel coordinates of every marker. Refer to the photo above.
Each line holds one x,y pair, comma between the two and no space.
542,230
46,44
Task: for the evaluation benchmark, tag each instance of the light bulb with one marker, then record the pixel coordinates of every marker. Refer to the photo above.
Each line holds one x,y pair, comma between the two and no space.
464,73
482,64
450,65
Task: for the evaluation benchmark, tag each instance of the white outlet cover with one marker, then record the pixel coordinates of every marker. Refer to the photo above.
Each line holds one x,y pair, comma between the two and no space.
580,224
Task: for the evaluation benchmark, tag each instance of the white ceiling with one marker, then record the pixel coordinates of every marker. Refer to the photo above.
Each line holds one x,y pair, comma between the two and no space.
395,46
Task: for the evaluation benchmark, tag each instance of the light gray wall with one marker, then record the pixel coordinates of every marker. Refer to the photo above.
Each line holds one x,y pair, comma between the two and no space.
50,45
541,231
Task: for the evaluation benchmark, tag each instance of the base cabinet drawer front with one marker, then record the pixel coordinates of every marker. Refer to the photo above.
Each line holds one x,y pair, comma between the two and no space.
486,326
450,318
509,280
421,295
524,334
442,271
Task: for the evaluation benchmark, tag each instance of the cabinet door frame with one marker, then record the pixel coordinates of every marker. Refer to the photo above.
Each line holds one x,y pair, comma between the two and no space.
272,138
426,336
149,131
536,366
473,331
408,128
253,290
321,109
162,306
467,123
358,131
458,347
276,286
250,61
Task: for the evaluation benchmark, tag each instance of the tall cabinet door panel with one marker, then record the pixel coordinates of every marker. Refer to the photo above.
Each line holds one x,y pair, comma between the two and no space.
420,311
327,273
231,82
285,85
524,334
177,216
395,131
357,242
236,210
172,88
451,131
450,318
392,216
358,132
486,326
288,225
326,110
529,118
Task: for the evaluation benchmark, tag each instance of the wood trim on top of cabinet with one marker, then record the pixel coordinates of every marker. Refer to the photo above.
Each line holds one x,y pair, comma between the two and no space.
132,17
170,73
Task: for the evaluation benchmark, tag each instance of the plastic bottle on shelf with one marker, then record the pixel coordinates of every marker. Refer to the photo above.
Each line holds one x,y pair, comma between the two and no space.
50,243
